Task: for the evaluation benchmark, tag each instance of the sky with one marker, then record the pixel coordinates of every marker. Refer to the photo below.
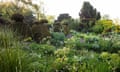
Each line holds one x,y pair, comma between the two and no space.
56,7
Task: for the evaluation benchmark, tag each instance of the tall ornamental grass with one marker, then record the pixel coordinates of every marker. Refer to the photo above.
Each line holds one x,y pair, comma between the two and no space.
12,57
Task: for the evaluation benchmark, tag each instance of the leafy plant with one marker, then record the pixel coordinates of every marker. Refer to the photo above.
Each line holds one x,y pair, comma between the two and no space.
43,49
58,38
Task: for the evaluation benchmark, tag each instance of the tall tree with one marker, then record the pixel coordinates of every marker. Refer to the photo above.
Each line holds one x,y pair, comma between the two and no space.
89,12
88,15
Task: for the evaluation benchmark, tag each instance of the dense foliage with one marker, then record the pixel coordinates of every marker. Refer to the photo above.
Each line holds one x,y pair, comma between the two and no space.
81,52
31,44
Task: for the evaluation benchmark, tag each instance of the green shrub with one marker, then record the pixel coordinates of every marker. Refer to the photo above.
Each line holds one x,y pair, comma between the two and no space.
98,28
58,38
71,42
43,49
113,60
115,47
104,44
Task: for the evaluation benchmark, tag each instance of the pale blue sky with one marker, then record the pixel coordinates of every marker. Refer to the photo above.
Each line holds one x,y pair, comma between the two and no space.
55,7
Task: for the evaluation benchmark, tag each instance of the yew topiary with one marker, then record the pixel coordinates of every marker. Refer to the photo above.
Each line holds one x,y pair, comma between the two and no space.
40,30
20,27
57,27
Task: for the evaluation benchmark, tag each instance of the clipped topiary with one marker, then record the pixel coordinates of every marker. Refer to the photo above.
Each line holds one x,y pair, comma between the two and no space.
2,21
57,27
19,26
42,21
66,29
17,17
40,30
